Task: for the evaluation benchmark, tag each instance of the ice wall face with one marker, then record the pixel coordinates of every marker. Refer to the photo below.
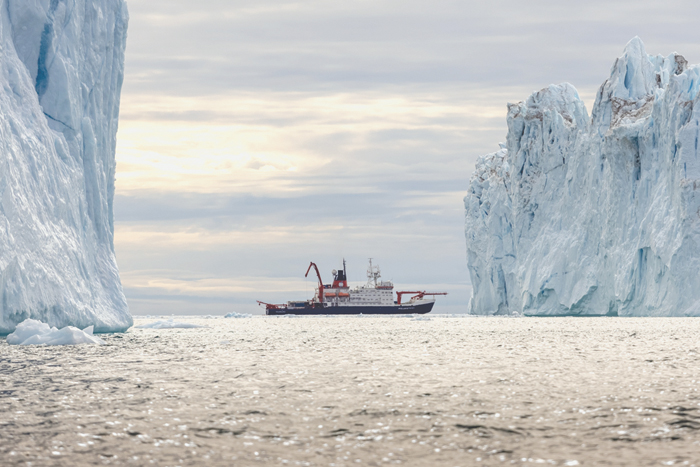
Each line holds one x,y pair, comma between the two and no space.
593,216
61,70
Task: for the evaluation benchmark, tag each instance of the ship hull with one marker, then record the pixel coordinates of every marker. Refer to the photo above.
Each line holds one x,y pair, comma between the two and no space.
419,309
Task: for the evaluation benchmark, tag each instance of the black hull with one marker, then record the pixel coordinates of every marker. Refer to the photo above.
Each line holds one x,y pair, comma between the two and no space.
420,309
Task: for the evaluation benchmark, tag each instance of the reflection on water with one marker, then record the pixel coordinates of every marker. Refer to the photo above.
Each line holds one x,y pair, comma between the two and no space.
360,391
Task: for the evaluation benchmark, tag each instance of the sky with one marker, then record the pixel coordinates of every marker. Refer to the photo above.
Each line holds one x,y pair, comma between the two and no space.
257,136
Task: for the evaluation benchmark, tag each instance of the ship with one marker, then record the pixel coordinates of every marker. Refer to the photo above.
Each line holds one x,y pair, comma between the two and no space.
376,297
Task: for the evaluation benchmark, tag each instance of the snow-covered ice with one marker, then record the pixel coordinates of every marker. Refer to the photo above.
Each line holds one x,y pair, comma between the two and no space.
593,216
33,332
61,70
168,324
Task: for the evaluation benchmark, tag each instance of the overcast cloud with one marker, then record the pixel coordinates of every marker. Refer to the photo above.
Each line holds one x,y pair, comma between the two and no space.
258,136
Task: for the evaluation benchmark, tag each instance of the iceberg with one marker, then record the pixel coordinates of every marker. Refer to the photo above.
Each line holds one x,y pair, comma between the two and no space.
599,215
61,71
33,332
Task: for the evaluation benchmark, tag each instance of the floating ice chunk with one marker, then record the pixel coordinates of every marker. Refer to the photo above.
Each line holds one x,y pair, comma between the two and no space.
33,332
168,324
27,329
238,315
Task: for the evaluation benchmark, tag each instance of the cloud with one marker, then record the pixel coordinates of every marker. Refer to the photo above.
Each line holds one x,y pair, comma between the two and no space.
215,46
256,136
298,142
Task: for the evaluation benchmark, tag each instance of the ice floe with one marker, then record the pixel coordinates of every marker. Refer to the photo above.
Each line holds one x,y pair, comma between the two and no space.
168,324
33,332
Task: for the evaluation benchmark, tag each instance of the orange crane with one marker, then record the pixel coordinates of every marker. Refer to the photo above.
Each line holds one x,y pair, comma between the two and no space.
320,282
418,295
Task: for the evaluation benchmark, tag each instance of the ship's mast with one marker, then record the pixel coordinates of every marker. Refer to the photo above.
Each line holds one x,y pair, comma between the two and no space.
373,274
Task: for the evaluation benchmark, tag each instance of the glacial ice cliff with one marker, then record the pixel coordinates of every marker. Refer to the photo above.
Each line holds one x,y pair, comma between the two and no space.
593,216
61,70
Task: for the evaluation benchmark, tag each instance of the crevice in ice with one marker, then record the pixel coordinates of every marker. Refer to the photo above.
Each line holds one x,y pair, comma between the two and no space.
637,159
58,121
629,74
42,75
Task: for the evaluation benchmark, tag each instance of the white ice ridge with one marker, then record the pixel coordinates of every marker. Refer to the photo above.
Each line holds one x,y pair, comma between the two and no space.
593,216
61,70
33,332
238,315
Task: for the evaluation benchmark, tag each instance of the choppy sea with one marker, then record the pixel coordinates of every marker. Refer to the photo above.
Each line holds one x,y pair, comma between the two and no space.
342,391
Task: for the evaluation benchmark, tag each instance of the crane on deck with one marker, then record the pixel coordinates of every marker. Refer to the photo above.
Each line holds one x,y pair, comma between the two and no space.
320,282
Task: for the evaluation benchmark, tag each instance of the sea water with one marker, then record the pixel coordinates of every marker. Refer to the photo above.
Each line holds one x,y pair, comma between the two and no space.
342,391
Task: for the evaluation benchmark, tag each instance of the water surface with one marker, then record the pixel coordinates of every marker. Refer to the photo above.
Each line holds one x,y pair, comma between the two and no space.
327,391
